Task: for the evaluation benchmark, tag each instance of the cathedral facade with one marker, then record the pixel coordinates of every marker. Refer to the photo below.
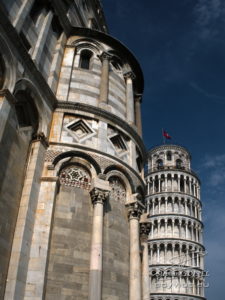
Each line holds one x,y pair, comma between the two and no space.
74,221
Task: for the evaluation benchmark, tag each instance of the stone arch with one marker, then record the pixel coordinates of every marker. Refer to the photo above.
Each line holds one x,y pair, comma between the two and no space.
26,112
86,43
77,154
25,86
124,175
7,66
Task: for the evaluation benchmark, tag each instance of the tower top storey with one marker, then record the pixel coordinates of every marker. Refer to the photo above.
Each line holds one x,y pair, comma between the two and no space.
166,157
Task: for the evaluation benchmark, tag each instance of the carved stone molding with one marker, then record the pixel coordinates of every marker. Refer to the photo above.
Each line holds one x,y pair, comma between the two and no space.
98,196
105,56
134,210
130,75
40,136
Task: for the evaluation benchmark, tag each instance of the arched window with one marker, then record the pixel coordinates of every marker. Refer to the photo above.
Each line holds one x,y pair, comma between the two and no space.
169,155
85,58
179,163
159,163
2,72
26,112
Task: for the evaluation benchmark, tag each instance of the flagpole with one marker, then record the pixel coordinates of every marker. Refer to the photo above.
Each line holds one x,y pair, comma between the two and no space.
164,140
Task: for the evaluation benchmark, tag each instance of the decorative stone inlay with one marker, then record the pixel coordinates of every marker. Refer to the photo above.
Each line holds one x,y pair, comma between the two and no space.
79,129
75,176
118,192
118,143
50,155
98,195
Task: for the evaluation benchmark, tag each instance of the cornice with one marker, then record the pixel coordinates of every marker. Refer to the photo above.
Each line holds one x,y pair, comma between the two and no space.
168,147
191,296
164,240
178,216
173,169
182,241
174,194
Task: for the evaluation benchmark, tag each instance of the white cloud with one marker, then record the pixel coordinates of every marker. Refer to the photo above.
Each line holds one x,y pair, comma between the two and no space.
208,12
214,167
213,97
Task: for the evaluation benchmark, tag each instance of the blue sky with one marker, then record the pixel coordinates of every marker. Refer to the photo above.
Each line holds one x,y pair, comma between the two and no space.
180,45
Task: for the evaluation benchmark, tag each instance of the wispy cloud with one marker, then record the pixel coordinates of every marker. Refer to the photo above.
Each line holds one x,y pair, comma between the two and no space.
214,97
208,12
215,168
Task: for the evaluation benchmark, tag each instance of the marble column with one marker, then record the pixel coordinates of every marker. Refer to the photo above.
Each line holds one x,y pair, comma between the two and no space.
104,85
129,77
134,213
144,232
138,113
153,185
99,194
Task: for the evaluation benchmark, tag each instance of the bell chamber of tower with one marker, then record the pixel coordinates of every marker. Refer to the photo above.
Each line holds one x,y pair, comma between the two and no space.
176,250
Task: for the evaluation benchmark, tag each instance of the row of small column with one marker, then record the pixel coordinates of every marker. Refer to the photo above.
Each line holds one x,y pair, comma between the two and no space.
139,271
178,285
192,231
133,101
160,183
188,256
154,206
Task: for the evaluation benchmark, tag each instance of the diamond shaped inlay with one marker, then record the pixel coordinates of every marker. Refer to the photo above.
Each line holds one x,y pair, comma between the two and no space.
118,143
80,130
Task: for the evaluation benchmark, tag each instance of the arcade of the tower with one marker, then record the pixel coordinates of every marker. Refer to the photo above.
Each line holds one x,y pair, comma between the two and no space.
175,241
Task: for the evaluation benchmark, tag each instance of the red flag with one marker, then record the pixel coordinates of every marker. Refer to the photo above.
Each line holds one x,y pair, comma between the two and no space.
166,135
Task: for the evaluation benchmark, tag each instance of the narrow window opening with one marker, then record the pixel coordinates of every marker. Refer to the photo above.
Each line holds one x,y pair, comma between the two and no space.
159,163
169,155
179,164
22,115
25,41
85,59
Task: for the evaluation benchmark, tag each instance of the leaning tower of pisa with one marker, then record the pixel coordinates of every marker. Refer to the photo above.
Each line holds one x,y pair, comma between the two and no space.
176,251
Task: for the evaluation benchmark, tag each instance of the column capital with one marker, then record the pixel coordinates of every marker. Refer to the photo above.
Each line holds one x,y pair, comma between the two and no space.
134,209
98,196
138,97
129,74
105,56
40,137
